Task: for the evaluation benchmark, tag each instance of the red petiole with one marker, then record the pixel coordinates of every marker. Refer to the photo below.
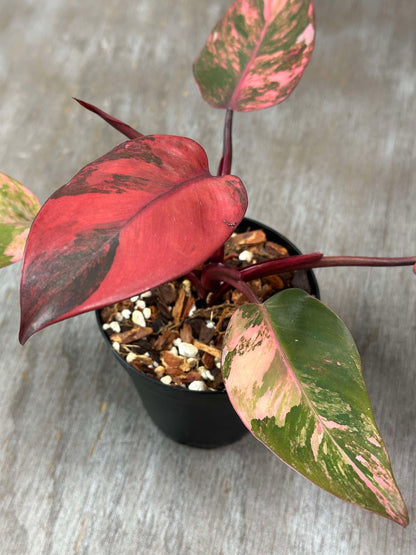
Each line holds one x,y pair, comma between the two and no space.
218,278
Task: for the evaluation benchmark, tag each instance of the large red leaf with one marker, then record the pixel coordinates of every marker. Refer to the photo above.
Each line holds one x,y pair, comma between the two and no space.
146,212
256,54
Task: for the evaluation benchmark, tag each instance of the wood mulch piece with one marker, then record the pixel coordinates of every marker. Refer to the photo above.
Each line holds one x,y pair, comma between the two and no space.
179,340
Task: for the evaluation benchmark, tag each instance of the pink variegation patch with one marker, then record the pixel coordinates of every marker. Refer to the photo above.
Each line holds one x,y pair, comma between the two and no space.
18,207
16,248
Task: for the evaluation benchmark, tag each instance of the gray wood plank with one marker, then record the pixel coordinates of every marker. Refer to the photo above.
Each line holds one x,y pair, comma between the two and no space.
83,470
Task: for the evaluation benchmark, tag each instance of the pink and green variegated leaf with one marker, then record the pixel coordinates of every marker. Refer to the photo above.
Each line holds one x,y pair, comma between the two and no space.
147,212
256,54
293,375
18,207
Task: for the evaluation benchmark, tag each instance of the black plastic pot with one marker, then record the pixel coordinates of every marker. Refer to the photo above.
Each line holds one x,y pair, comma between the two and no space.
201,418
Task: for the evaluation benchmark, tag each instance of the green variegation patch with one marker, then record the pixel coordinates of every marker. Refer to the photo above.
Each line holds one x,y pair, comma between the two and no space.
256,54
18,207
293,374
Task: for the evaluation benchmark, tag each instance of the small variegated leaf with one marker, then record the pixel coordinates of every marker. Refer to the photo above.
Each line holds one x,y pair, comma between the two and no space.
293,374
256,54
18,207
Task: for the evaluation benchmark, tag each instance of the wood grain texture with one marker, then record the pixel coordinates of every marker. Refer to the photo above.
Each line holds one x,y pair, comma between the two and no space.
83,470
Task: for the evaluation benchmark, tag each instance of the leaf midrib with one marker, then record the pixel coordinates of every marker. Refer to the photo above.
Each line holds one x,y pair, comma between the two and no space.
289,367
239,86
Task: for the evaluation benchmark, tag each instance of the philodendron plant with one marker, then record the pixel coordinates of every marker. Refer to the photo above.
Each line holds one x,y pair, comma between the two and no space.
116,229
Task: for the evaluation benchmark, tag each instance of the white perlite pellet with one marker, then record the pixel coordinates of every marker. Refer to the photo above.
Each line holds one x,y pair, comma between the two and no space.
140,304
205,373
166,380
246,256
134,299
192,311
126,313
159,371
130,357
115,326
197,385
147,313
187,350
116,346
138,318
186,284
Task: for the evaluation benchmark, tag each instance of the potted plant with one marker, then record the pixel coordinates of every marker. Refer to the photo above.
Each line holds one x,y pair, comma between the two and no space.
115,232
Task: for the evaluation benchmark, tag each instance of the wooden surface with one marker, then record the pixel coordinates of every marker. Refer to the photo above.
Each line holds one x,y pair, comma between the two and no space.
83,470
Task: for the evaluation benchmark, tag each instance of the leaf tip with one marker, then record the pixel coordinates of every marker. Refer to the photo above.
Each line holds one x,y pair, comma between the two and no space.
23,334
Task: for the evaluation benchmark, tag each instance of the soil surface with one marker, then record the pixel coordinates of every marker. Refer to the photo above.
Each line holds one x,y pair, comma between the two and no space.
172,336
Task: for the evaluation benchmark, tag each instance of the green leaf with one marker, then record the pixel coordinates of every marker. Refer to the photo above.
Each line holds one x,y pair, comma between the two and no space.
256,54
293,374
18,207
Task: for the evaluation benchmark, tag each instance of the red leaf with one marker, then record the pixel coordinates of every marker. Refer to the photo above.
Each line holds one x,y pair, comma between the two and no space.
145,213
114,122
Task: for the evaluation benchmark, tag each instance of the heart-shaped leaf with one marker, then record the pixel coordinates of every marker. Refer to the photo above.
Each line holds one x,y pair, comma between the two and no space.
293,374
18,207
145,213
256,54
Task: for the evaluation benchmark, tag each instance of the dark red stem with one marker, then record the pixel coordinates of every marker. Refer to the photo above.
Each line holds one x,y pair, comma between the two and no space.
225,168
245,289
308,262
227,154
196,282
331,261
279,265
215,273
269,267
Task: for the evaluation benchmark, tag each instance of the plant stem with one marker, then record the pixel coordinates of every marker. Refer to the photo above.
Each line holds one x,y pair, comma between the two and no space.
227,153
196,282
268,268
331,261
306,262
225,168
317,260
215,273
279,265
245,289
